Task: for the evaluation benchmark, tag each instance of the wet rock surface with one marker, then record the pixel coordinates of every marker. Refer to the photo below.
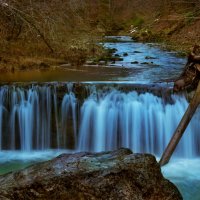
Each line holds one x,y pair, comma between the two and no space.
118,174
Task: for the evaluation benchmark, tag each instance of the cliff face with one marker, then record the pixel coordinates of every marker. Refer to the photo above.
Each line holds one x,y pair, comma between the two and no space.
110,175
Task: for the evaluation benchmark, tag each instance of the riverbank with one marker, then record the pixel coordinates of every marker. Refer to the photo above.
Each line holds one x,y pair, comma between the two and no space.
123,60
30,42
176,25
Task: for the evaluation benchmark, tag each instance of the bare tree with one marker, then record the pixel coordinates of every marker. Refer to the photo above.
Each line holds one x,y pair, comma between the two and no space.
19,15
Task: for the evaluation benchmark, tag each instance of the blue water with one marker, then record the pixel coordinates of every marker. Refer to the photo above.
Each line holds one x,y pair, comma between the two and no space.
185,174
162,65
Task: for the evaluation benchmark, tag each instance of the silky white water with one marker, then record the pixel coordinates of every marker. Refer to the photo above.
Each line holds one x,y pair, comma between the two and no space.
185,174
30,119
141,122
36,118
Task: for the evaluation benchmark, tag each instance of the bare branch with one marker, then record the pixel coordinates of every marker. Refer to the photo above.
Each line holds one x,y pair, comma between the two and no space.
27,19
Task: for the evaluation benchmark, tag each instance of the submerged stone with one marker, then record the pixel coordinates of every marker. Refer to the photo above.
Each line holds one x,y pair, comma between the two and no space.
125,54
137,52
113,175
134,62
150,57
145,63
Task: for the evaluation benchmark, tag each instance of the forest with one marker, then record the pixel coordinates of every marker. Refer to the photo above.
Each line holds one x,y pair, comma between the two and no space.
50,32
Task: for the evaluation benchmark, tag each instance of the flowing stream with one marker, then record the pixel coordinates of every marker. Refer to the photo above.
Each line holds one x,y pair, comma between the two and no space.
145,63
40,121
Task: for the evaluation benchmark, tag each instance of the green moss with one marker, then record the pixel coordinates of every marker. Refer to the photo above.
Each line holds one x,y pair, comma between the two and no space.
189,17
13,166
136,21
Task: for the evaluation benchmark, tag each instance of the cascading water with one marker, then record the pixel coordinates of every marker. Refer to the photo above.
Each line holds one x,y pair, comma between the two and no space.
142,122
27,118
38,118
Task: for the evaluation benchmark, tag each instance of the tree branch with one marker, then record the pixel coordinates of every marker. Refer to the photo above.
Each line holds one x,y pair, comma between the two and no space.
23,16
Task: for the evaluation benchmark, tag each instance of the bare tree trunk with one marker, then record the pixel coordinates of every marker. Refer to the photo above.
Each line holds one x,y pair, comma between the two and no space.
181,127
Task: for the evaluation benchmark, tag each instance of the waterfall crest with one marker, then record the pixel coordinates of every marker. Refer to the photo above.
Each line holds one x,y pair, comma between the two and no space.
39,118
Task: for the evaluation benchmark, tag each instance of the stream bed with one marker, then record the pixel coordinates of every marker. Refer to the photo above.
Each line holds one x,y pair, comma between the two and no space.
147,62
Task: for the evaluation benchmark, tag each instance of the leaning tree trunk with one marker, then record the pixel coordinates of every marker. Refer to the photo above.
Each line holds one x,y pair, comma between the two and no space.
181,127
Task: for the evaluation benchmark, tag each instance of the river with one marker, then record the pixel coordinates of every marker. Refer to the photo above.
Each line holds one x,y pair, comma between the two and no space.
38,121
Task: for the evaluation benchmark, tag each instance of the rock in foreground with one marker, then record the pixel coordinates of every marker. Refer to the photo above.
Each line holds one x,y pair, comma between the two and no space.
109,175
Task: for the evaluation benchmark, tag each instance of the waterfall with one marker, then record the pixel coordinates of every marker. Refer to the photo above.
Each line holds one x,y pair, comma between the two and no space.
3,92
141,122
46,117
29,118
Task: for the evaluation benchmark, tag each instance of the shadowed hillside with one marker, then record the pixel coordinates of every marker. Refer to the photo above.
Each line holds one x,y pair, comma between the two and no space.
39,33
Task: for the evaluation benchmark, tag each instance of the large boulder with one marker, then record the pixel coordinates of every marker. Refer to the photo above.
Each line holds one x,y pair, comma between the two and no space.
110,175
